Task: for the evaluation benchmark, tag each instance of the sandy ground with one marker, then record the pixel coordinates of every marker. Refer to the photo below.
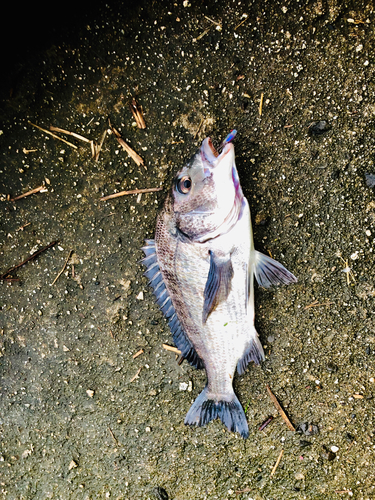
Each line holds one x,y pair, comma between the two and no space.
80,416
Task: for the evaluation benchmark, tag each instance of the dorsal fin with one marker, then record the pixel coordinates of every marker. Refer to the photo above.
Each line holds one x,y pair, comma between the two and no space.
164,301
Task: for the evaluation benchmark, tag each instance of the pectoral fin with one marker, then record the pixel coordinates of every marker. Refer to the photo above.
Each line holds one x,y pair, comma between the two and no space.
218,283
269,272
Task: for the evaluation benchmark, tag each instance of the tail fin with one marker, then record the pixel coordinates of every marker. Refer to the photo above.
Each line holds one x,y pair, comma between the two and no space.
231,413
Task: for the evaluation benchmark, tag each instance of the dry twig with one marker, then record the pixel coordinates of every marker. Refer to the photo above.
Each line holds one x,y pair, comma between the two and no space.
35,254
279,409
171,348
32,191
136,375
113,436
277,463
243,20
141,351
132,191
63,269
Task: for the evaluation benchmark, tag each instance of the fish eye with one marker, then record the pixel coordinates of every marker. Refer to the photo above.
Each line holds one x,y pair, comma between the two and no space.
184,185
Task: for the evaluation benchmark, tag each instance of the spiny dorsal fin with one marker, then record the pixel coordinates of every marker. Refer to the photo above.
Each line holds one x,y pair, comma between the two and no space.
164,301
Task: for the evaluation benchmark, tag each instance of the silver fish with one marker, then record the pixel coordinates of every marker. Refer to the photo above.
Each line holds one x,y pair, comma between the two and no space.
201,266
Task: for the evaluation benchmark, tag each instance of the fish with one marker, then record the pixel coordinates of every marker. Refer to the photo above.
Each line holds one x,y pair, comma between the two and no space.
201,266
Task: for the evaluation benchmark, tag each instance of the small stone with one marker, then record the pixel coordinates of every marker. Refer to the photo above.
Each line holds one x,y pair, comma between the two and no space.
160,493
304,443
90,393
73,465
318,128
140,296
335,449
308,429
299,476
370,180
183,386
66,349
331,368
328,455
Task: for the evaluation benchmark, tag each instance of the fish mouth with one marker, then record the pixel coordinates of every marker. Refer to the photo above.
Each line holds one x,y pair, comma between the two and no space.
209,153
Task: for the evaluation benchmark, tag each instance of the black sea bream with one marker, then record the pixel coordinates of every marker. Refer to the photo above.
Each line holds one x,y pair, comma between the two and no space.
201,266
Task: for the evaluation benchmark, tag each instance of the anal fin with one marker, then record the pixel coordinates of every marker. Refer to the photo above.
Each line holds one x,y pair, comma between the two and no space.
254,352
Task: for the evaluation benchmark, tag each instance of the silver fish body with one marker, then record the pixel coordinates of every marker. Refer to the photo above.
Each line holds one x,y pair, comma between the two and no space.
201,266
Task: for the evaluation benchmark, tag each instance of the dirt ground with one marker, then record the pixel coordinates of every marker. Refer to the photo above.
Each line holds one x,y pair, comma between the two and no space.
82,417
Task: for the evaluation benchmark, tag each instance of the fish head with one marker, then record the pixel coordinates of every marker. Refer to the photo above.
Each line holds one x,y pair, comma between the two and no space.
206,193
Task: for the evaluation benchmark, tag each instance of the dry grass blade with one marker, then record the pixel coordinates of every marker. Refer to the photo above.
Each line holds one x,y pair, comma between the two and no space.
53,135
138,160
279,409
261,104
73,134
132,191
137,113
96,148
316,304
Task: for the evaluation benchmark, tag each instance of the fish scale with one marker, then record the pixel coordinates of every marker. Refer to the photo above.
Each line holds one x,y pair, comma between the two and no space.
201,266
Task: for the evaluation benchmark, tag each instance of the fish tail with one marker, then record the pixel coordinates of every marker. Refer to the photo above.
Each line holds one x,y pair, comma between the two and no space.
231,413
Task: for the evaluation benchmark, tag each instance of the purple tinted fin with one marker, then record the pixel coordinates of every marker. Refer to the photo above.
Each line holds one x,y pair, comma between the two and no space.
164,301
231,413
269,272
218,284
253,353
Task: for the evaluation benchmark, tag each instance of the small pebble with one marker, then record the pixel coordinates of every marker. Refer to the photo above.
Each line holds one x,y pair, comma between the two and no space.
318,128
160,493
308,429
328,455
335,449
